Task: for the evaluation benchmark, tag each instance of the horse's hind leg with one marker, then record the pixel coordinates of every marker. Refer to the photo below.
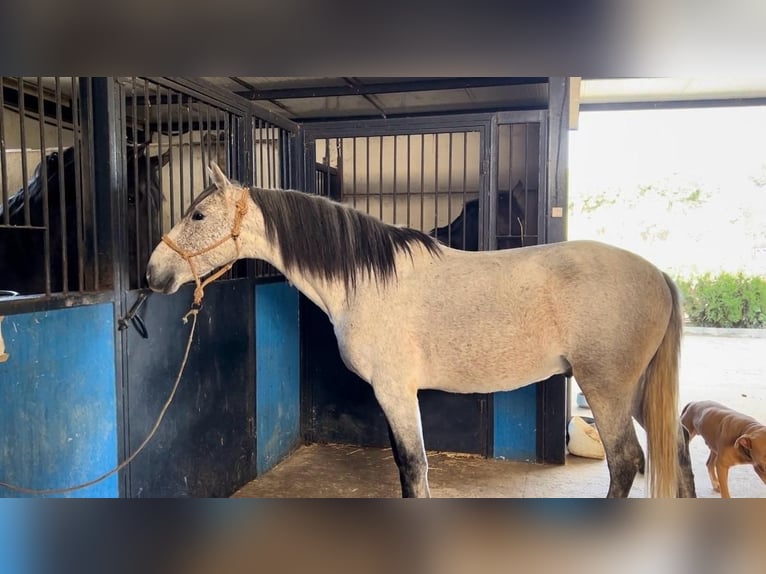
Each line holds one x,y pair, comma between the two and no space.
403,416
615,427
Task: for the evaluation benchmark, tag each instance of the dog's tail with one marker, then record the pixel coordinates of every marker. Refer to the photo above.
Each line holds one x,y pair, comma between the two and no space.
660,405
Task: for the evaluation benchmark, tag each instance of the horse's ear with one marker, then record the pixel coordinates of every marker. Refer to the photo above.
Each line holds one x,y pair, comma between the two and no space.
219,179
518,192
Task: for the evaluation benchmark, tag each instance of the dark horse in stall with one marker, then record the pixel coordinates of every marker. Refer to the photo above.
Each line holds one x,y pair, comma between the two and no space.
512,230
22,263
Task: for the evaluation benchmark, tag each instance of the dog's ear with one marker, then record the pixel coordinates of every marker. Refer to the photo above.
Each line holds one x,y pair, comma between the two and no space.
744,444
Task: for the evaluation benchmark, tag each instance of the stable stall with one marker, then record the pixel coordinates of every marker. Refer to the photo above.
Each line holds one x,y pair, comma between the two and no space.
96,170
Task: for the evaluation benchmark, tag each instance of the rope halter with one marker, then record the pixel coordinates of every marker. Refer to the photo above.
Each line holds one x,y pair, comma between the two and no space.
199,290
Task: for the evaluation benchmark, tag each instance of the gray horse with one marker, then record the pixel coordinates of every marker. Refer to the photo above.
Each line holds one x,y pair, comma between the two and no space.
465,322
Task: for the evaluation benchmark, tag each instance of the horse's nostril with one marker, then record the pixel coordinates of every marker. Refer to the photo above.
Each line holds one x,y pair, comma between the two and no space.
149,274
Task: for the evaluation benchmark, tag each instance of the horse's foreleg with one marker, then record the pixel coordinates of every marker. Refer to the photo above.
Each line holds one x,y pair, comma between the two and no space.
403,416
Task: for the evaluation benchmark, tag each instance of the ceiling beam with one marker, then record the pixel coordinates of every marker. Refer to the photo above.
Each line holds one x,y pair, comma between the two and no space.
369,97
420,85
668,104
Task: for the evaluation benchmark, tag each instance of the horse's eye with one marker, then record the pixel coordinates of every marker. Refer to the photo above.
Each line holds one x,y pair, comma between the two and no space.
197,216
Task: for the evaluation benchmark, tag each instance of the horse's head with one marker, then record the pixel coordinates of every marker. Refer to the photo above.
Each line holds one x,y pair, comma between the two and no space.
205,236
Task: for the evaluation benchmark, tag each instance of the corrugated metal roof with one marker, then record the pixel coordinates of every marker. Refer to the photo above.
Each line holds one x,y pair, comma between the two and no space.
321,97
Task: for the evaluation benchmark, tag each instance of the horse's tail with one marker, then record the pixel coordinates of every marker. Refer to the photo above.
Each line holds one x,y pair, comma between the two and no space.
660,404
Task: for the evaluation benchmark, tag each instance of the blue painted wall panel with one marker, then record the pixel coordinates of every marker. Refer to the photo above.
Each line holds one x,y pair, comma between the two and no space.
16,549
277,368
58,414
516,424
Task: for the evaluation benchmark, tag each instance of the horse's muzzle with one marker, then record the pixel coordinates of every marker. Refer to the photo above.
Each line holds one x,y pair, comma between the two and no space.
159,282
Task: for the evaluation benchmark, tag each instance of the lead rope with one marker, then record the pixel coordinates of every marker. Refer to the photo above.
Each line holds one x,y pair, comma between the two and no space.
199,293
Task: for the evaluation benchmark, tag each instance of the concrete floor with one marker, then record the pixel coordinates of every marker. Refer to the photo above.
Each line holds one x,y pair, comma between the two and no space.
726,369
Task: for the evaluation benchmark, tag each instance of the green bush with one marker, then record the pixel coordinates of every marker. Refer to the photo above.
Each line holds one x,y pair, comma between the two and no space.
724,300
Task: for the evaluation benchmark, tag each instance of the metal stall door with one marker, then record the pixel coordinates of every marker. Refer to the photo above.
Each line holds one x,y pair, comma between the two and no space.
432,179
529,423
206,443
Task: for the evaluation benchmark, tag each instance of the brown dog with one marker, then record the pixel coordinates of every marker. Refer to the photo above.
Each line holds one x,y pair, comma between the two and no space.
733,438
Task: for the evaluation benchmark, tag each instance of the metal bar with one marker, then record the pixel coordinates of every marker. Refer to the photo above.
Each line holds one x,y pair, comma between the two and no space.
172,191
510,177
274,147
269,154
523,223
261,171
436,180
136,184
328,172
338,165
181,159
61,190
465,181
395,200
3,161
257,153
409,174
218,139
209,147
23,141
356,89
367,171
149,191
44,178
326,163
488,227
202,142
289,164
449,192
380,188
422,179
191,150
92,175
227,136
78,185
161,207
271,157
353,169
279,178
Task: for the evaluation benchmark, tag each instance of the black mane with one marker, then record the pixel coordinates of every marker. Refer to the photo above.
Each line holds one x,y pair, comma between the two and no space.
334,241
